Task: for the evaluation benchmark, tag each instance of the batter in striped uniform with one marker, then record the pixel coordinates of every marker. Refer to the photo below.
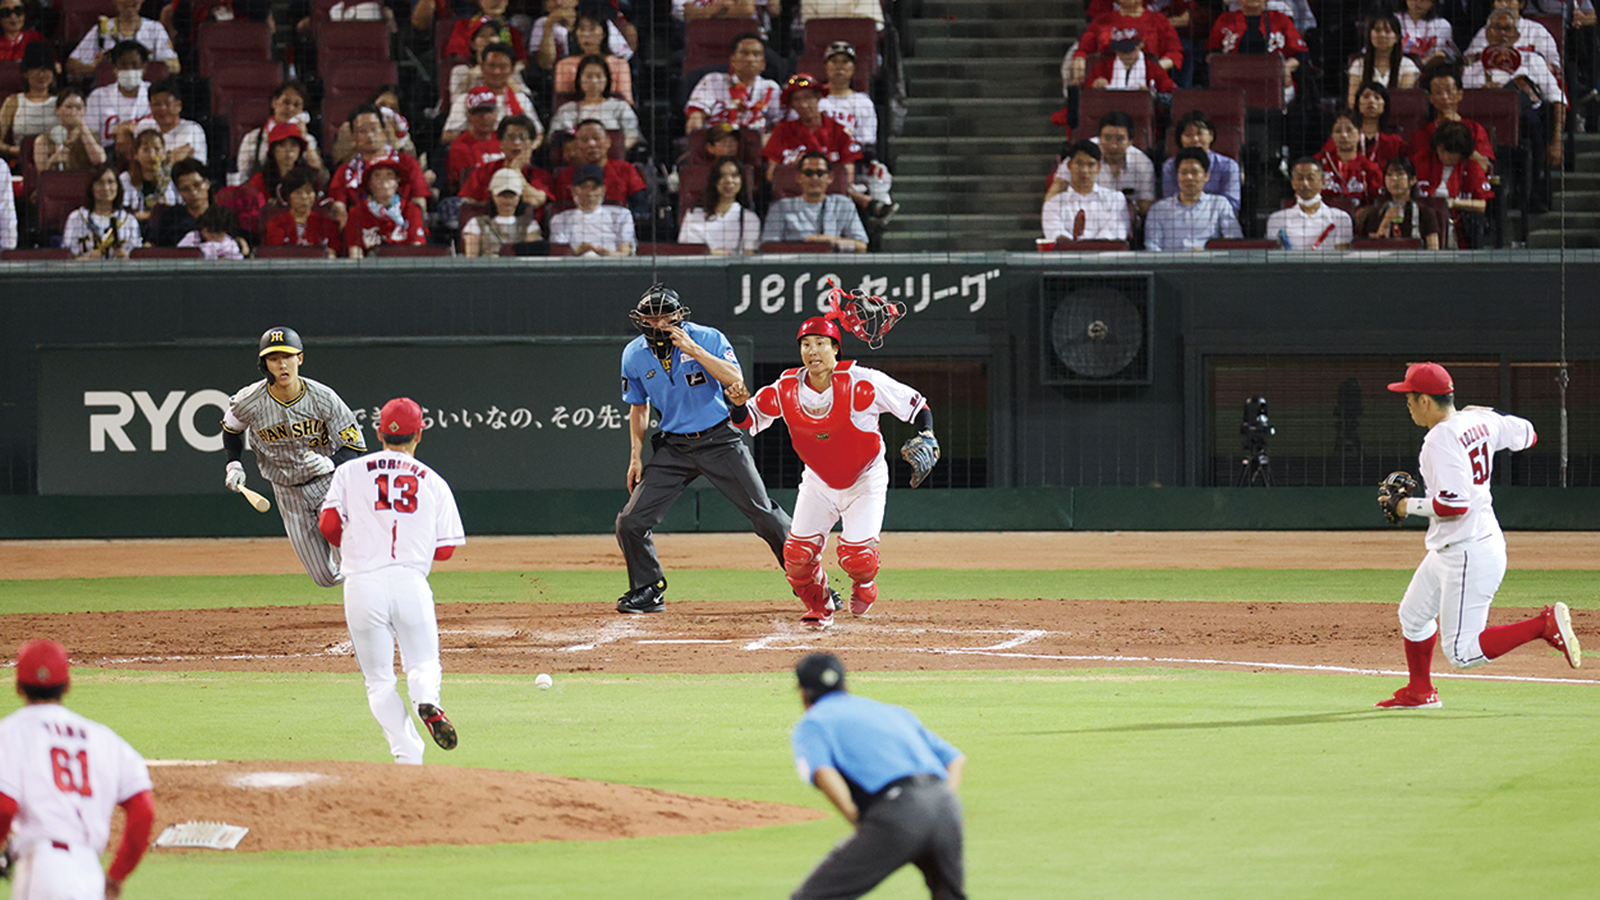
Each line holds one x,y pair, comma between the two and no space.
300,430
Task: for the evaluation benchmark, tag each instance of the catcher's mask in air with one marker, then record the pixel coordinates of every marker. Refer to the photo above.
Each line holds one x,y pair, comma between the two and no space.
864,315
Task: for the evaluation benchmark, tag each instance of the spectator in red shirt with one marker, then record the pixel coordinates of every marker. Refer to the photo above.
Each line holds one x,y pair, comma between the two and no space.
590,144
811,129
1377,140
380,217
301,225
479,142
1132,20
15,36
1346,173
1253,28
366,123
460,41
516,152
1449,171
1444,93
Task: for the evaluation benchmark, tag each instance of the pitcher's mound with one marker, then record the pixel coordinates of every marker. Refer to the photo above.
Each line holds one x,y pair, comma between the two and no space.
323,805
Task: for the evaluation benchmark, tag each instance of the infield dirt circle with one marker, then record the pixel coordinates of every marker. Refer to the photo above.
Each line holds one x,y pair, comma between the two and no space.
339,804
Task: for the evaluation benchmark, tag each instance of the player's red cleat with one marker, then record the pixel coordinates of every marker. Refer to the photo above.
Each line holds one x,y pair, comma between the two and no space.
1558,633
1405,699
817,619
444,734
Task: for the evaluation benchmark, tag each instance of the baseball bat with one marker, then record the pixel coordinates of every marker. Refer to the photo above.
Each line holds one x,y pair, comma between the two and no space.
261,503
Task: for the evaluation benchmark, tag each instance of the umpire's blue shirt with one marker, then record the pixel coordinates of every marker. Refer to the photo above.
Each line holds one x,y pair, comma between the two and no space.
870,743
690,400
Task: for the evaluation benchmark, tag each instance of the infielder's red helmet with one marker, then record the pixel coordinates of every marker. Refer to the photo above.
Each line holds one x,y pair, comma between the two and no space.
819,325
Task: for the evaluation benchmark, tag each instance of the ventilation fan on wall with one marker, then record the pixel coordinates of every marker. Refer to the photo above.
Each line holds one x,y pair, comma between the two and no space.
1096,328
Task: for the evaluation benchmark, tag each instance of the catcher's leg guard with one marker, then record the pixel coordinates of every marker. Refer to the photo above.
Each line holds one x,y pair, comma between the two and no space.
860,562
802,565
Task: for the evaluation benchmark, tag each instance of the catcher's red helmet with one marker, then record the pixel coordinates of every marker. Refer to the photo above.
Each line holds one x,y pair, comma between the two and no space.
819,325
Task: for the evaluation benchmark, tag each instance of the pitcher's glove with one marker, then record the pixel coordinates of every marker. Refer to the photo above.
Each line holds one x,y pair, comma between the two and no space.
1393,491
921,452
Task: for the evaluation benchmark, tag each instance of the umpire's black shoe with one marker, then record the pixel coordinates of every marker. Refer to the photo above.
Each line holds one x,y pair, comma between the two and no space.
444,734
835,602
645,599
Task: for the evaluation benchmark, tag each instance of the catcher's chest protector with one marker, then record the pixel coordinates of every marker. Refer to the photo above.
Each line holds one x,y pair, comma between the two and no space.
831,444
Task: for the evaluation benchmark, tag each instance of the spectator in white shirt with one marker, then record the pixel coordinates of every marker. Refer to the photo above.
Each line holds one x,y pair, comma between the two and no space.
499,61
128,100
102,40
1310,224
720,222
1085,211
1123,167
184,137
1502,63
8,210
593,229
739,96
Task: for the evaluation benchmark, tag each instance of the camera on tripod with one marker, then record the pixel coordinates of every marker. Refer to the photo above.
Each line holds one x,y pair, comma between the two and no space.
1256,428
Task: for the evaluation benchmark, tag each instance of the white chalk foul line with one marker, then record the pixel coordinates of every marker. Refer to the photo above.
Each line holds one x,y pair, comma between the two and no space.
686,641
608,634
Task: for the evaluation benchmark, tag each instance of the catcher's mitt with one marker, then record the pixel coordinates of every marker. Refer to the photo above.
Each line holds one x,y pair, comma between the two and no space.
1393,491
921,452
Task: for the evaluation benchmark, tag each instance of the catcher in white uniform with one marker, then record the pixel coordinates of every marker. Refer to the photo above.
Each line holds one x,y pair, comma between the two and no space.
394,516
300,431
1447,602
832,409
60,777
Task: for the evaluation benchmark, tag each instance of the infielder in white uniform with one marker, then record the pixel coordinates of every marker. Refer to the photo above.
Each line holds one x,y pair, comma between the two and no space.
1448,600
394,516
300,431
832,409
60,776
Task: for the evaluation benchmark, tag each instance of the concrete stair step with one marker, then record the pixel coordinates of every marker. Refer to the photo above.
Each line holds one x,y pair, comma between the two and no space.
972,107
1065,30
976,86
1025,44
1020,71
1575,240
1001,9
1002,123
913,203
989,166
1576,201
949,242
976,223
1019,145
956,185
1573,221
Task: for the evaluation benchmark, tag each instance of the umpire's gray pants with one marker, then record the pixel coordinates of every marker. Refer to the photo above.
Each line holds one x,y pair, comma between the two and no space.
918,823
724,460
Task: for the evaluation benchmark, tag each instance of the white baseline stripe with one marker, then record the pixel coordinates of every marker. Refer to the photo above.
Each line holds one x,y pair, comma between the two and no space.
687,641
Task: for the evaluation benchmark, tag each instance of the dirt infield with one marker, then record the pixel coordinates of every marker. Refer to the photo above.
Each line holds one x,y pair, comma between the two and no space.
714,637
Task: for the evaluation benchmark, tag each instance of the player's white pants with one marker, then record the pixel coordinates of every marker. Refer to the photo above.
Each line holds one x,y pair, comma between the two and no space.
818,506
392,604
1455,584
47,873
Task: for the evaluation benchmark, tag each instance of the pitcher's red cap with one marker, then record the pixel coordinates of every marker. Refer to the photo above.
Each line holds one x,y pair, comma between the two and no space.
400,416
1425,378
42,663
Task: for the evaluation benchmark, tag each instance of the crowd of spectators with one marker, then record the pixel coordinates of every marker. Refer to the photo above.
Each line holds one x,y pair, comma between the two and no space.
1321,157
504,127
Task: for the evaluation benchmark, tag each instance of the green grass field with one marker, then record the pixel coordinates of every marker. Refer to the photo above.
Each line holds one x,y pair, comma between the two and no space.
1105,783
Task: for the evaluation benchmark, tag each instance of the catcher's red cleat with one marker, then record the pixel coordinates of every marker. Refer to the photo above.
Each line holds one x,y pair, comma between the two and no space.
1405,699
1558,633
862,597
444,734
817,619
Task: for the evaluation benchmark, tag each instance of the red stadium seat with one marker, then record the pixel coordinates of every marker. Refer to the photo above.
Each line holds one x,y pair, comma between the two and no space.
1090,246
34,253
78,16
667,249
59,194
1408,110
1259,75
1224,107
1243,244
710,41
1497,110
165,253
398,251
11,80
222,43
265,252
342,41
1386,244
1094,104
796,247
246,85
358,77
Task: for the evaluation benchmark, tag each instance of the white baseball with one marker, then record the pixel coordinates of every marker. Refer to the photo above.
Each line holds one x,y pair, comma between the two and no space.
543,682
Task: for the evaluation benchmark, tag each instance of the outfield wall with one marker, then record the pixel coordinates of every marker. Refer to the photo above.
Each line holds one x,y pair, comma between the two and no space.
1048,449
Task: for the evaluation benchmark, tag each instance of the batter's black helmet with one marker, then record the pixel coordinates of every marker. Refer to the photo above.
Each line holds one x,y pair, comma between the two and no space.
657,300
278,339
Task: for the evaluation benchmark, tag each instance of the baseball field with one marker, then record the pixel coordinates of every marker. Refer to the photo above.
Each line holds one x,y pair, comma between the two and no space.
1145,715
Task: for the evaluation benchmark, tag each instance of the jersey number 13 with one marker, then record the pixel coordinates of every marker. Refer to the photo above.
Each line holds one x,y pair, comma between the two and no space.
406,488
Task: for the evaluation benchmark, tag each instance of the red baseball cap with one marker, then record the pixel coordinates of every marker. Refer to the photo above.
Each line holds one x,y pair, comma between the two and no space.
400,416
42,663
819,325
481,97
1425,378
287,131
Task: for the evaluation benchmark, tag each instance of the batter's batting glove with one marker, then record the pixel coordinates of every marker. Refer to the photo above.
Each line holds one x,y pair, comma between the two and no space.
921,452
234,479
1393,491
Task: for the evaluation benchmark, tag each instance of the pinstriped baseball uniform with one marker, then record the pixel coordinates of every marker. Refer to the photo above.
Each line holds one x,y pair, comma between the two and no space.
294,443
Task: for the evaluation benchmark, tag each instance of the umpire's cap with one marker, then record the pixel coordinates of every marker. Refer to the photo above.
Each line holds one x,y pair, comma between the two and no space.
281,339
820,673
42,663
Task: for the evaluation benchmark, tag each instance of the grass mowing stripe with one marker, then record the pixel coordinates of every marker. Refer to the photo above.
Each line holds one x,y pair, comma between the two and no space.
1176,783
1522,587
